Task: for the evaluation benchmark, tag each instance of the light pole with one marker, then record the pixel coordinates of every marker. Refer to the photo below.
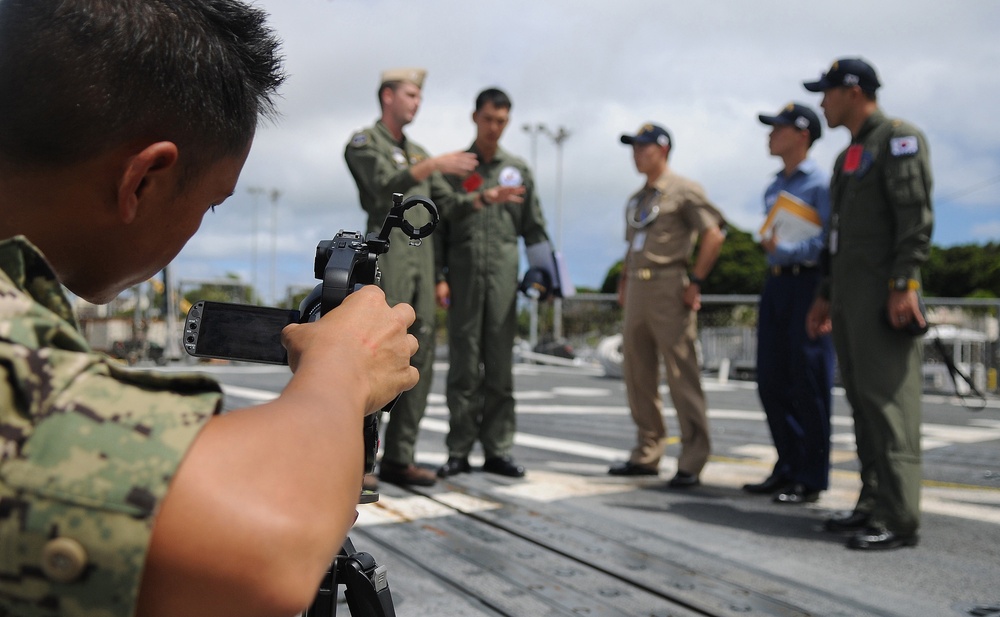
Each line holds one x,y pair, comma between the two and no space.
533,130
256,191
558,138
273,194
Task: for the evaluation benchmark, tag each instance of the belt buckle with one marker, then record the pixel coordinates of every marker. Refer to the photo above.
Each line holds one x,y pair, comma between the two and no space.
644,274
775,270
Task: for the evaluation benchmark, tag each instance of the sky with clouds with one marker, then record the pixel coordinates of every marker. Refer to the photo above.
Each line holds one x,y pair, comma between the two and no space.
598,69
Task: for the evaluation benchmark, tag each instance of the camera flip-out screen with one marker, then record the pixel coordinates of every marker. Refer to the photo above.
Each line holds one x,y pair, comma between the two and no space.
237,331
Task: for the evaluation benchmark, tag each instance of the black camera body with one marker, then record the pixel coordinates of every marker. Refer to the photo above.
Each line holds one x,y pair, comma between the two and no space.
343,264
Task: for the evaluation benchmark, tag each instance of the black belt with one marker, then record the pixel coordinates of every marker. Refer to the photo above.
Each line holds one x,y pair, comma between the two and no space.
793,270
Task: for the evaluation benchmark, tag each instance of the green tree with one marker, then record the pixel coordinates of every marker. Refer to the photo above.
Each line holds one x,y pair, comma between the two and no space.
229,289
967,270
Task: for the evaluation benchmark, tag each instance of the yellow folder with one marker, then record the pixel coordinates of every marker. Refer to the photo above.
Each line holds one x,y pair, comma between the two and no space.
791,219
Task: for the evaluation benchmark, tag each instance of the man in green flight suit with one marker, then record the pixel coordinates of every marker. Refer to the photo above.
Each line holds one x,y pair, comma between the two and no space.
478,258
880,234
383,161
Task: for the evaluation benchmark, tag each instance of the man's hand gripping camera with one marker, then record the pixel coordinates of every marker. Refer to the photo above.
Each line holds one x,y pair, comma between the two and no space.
343,264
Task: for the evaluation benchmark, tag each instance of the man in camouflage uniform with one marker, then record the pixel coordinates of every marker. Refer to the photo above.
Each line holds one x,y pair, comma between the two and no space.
383,161
124,492
880,233
478,256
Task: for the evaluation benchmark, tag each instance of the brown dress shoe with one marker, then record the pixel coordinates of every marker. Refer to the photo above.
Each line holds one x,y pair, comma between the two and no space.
406,475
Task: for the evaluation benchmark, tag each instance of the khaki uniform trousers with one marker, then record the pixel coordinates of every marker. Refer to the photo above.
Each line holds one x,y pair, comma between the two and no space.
659,325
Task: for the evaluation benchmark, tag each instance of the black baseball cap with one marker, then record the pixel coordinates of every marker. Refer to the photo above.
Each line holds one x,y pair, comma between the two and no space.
846,72
797,115
648,134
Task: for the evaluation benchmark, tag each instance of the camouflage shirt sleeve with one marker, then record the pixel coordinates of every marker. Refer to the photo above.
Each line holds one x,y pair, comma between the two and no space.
87,451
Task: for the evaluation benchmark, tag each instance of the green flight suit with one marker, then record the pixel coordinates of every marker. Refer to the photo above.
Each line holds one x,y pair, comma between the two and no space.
87,452
478,251
381,166
881,223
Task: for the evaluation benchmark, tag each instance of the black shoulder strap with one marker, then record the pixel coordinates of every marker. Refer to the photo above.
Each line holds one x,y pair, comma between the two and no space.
955,374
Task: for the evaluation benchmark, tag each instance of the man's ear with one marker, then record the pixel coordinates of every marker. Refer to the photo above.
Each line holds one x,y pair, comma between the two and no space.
143,172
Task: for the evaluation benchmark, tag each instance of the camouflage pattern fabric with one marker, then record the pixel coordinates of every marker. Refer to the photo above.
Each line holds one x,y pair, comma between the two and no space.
87,451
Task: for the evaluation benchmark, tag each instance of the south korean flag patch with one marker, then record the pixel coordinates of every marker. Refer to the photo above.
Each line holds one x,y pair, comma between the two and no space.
903,146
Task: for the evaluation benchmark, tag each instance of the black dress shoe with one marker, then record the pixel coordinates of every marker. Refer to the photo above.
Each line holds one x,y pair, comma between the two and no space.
769,486
504,466
628,468
847,522
881,539
454,466
797,493
683,479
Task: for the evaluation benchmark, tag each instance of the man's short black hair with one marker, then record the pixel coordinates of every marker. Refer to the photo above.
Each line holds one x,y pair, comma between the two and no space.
495,97
79,77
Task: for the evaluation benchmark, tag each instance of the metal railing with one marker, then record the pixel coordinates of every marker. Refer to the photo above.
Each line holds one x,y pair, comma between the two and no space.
969,329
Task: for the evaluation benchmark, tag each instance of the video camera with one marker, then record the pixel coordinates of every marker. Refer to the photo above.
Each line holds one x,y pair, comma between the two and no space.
344,264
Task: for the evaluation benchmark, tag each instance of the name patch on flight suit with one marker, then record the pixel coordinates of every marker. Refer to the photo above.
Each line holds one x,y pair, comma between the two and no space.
638,241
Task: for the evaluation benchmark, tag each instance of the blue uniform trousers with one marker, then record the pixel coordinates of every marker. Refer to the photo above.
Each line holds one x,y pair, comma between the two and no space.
794,379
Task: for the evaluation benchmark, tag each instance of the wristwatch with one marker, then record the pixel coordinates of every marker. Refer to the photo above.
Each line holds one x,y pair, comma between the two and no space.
902,283
696,280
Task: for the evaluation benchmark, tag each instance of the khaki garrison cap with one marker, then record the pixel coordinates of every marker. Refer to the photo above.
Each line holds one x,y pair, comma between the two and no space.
412,75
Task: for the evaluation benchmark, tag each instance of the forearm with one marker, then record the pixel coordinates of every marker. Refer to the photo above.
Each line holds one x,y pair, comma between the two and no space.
708,252
258,509
423,170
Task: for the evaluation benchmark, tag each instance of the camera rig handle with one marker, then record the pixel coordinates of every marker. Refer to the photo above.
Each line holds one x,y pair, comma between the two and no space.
350,260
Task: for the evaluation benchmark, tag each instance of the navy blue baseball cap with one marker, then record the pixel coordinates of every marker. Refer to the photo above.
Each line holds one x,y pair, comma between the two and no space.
797,115
846,72
648,134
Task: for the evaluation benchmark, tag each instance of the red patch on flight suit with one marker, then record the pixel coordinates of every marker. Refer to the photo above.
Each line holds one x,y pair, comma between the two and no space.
472,182
853,158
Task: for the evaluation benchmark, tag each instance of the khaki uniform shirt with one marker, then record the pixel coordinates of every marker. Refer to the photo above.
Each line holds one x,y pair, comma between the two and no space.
665,220
87,451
